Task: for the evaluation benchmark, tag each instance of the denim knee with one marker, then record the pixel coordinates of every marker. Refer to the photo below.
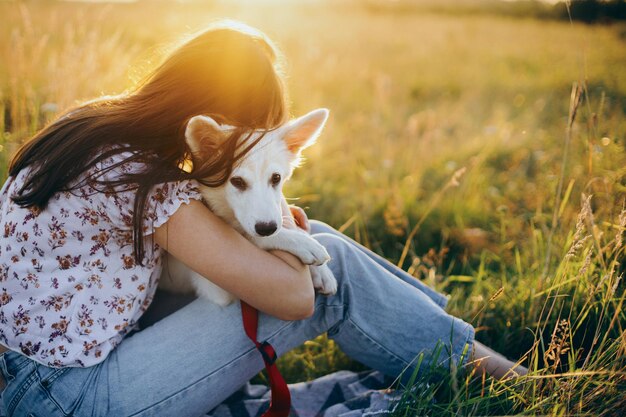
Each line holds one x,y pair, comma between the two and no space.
318,227
333,244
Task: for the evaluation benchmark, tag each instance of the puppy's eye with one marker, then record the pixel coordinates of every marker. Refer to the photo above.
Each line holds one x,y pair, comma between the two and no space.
238,183
275,179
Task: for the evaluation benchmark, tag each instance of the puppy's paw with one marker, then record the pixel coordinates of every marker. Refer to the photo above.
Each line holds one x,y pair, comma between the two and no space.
323,280
310,252
299,244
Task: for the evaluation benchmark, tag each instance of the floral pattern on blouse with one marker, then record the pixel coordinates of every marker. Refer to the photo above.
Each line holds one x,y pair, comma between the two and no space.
70,288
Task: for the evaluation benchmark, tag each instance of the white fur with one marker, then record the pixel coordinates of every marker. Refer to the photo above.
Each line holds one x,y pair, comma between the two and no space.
278,152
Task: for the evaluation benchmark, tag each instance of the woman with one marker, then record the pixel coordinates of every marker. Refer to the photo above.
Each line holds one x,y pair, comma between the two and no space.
93,201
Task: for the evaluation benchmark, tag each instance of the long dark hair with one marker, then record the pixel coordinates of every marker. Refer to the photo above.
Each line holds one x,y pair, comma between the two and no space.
230,71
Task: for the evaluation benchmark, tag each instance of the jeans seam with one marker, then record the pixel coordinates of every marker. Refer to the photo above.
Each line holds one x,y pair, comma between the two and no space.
53,401
337,327
51,378
17,397
54,375
152,406
18,363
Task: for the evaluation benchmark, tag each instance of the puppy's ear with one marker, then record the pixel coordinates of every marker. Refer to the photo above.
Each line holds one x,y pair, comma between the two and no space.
303,131
202,132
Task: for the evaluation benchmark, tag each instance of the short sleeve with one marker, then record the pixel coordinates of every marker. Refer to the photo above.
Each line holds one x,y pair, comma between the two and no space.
164,199
115,205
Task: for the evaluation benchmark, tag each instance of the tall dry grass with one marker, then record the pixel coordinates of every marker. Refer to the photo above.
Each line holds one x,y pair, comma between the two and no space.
416,98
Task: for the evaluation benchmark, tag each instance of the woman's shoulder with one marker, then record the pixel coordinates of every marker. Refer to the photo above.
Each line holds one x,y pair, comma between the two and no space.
121,165
116,161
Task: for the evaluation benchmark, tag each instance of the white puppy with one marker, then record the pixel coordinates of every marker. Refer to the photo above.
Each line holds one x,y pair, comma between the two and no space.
251,200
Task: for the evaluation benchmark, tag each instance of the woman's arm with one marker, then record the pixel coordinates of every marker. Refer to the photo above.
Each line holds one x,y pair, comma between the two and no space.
276,282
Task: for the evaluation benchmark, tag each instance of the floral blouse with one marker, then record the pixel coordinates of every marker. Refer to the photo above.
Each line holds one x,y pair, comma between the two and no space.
70,288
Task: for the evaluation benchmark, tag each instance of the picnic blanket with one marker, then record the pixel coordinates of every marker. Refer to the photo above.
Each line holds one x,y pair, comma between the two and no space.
341,394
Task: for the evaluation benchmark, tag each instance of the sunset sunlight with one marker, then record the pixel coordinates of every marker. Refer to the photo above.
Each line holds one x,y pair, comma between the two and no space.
475,150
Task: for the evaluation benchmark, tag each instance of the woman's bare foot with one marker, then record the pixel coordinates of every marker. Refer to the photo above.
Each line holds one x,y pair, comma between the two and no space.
496,365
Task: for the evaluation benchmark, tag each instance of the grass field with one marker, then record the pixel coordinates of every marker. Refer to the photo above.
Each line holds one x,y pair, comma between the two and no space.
484,154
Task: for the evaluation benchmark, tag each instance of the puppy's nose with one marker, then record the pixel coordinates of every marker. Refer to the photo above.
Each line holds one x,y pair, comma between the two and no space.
265,229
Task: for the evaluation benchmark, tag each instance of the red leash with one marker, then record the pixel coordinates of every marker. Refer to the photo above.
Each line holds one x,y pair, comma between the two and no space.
281,399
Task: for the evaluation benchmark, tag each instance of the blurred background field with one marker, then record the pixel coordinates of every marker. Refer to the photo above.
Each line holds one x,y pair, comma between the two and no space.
464,137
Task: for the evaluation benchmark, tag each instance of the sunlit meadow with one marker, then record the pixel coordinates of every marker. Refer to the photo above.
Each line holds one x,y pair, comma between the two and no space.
484,154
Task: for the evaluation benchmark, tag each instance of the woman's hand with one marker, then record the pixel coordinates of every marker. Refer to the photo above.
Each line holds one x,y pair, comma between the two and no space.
289,221
300,217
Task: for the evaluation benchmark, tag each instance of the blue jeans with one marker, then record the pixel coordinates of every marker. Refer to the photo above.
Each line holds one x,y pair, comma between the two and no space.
192,359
